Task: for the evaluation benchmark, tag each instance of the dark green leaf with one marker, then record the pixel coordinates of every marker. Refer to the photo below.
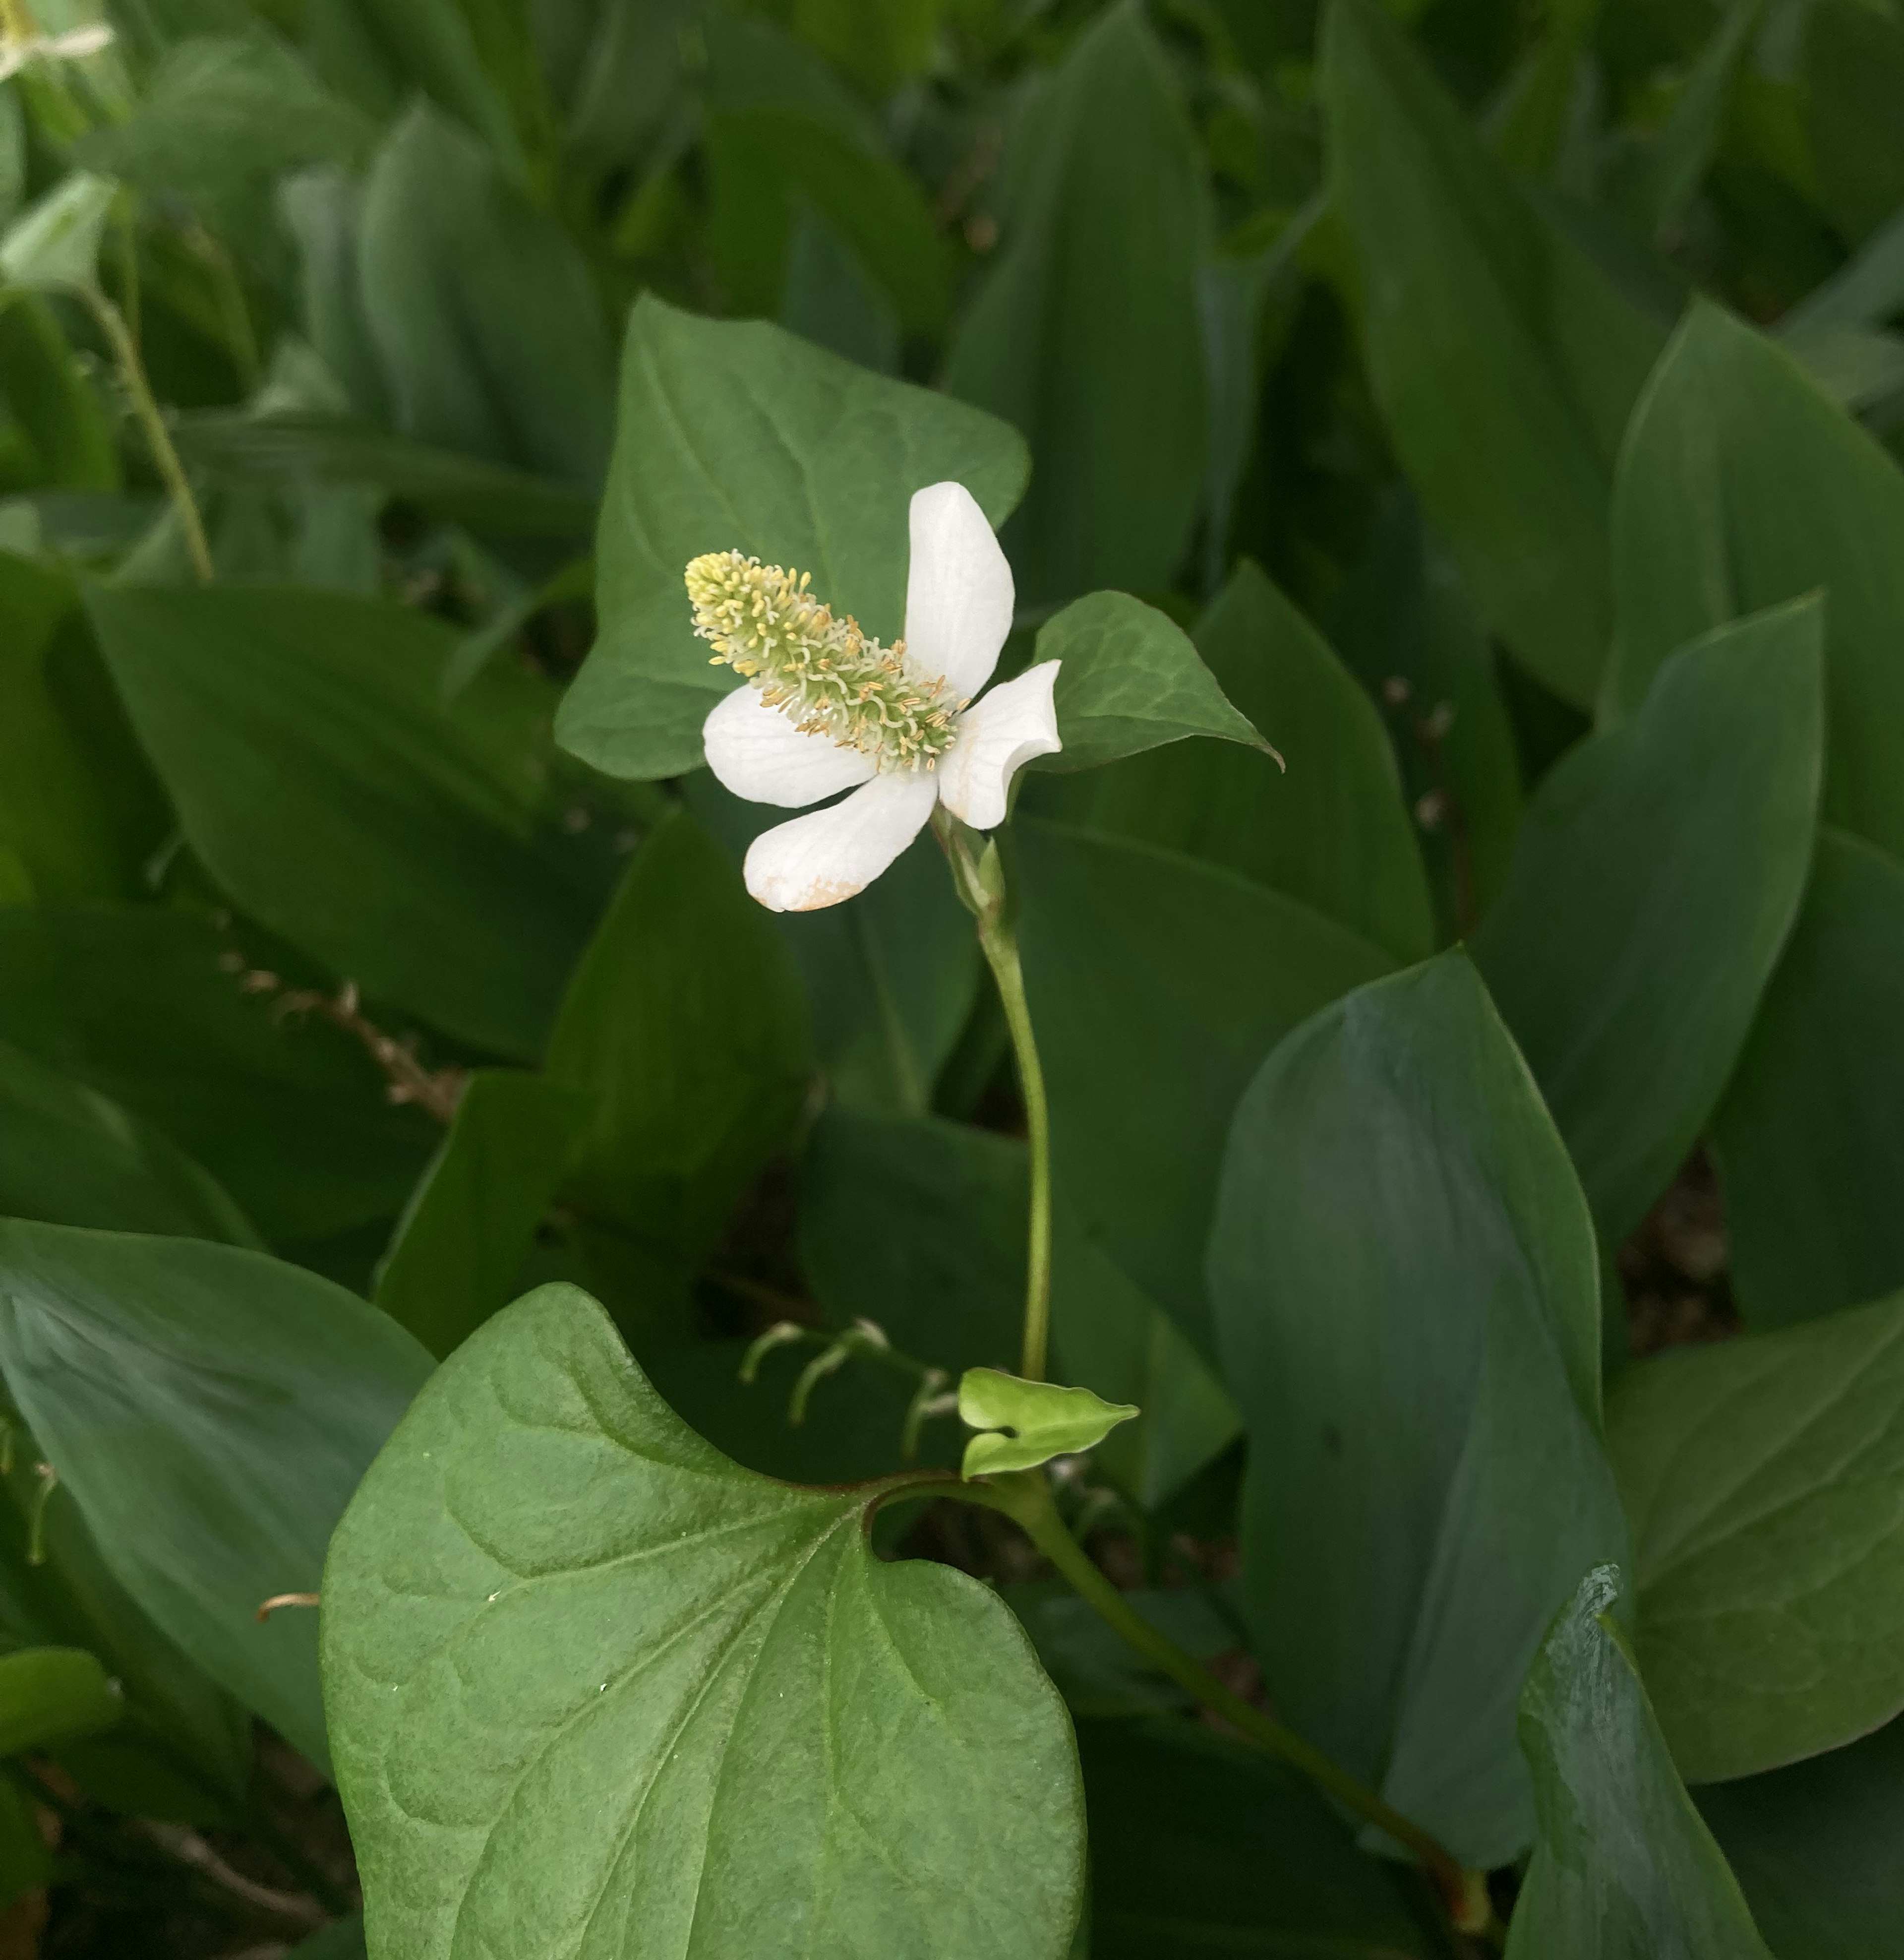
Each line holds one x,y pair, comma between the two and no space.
1658,872
343,1940
1809,1140
52,1695
460,1244
1085,334
1506,362
1332,831
320,777
1679,157
69,1156
735,435
25,1862
483,313
1742,487
61,436
1854,97
1199,1846
288,1113
695,1704
169,1383
1406,1291
1157,985
1130,681
1623,1869
1813,1845
1764,1478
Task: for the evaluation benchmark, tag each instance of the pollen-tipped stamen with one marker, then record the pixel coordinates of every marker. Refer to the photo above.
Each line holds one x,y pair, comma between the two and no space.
823,673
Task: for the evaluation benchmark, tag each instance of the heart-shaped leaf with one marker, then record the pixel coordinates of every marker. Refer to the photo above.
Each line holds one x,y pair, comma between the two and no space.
595,1688
1045,1421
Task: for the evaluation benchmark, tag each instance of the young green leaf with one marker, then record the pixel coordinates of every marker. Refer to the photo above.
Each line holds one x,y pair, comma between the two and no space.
52,1695
54,246
689,1709
169,1382
1043,1420
1809,1140
733,435
1623,1869
1658,871
1764,1478
1407,1290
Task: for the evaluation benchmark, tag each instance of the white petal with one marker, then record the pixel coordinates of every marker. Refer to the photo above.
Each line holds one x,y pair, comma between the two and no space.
819,859
958,588
997,737
756,752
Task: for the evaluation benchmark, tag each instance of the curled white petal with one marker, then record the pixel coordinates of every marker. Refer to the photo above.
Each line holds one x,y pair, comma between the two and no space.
998,735
756,752
959,590
830,854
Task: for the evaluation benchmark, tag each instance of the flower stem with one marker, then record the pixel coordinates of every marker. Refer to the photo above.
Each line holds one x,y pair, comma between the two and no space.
131,368
1025,1497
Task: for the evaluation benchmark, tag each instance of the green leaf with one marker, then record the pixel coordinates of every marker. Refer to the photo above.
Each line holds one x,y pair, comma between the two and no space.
1332,831
1809,1140
1764,1477
685,1029
1623,1869
1672,167
695,1704
287,1112
69,1156
25,1862
1157,985
472,1221
1085,334
169,1382
1130,680
1045,1421
768,162
1812,1845
52,1695
1407,1290
1854,75
735,435
879,42
58,420
482,311
1199,1846
54,245
1659,869
1741,487
1505,362
321,779
342,1940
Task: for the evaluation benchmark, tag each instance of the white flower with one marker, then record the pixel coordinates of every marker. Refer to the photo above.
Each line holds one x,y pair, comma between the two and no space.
826,709
15,54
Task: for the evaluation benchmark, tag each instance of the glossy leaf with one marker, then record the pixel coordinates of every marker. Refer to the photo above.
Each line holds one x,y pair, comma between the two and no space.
1330,828
1199,1846
1128,680
1741,487
1764,1478
1157,985
1095,285
51,1695
736,435
69,1156
695,1705
1044,1420
1623,1869
1658,872
1809,1140
482,312
320,777
472,1221
1506,361
168,1381
287,1112
1406,1291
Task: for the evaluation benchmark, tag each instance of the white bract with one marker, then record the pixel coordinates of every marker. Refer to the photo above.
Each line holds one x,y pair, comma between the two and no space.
18,49
826,709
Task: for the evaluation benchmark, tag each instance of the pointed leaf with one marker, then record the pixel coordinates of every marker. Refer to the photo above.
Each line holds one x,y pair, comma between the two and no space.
691,1709
1045,1421
1623,1869
52,1695
54,246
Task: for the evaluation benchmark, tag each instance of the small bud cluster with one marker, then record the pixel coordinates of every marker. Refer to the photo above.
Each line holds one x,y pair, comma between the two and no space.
822,673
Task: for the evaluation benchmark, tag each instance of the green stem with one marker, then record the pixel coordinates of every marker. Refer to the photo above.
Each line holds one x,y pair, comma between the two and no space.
1001,954
126,350
1025,1497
